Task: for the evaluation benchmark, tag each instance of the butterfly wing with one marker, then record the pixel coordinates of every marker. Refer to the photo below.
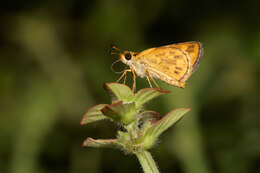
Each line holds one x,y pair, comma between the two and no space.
194,49
172,63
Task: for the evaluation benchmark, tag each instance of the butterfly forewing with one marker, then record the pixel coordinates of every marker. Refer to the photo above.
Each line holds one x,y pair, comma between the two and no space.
194,49
172,63
165,62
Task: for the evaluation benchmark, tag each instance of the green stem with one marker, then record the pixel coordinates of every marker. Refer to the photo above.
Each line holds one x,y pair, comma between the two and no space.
147,162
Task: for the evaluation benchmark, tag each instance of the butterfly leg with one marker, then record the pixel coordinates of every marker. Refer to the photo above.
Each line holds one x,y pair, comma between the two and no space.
125,79
151,77
134,79
123,75
147,78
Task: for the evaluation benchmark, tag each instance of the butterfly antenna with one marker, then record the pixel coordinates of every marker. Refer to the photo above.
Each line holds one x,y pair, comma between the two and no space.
114,50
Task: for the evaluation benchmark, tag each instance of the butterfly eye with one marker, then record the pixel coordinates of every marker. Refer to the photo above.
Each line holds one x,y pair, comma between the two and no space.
128,56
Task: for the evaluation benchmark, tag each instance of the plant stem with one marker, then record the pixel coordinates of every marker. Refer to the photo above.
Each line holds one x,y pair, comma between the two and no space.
147,162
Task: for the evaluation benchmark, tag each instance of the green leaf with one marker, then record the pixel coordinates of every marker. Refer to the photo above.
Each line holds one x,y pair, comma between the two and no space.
147,119
151,131
147,94
150,116
167,121
119,92
98,143
121,112
93,114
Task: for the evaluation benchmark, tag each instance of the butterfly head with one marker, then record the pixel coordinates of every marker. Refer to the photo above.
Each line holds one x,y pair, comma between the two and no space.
128,57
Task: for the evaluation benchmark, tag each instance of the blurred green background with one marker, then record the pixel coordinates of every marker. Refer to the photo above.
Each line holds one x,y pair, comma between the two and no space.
54,62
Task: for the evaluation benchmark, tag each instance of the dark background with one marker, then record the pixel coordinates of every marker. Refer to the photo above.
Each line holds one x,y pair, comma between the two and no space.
54,61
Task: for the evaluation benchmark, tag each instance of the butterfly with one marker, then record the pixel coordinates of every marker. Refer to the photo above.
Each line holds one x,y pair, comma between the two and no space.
172,63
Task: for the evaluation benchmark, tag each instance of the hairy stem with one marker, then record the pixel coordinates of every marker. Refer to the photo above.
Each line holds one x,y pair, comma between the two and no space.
147,162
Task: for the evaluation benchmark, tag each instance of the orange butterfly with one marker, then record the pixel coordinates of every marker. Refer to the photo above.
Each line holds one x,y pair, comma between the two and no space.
172,64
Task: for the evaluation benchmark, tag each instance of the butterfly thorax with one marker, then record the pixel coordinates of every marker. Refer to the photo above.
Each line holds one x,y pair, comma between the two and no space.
140,69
